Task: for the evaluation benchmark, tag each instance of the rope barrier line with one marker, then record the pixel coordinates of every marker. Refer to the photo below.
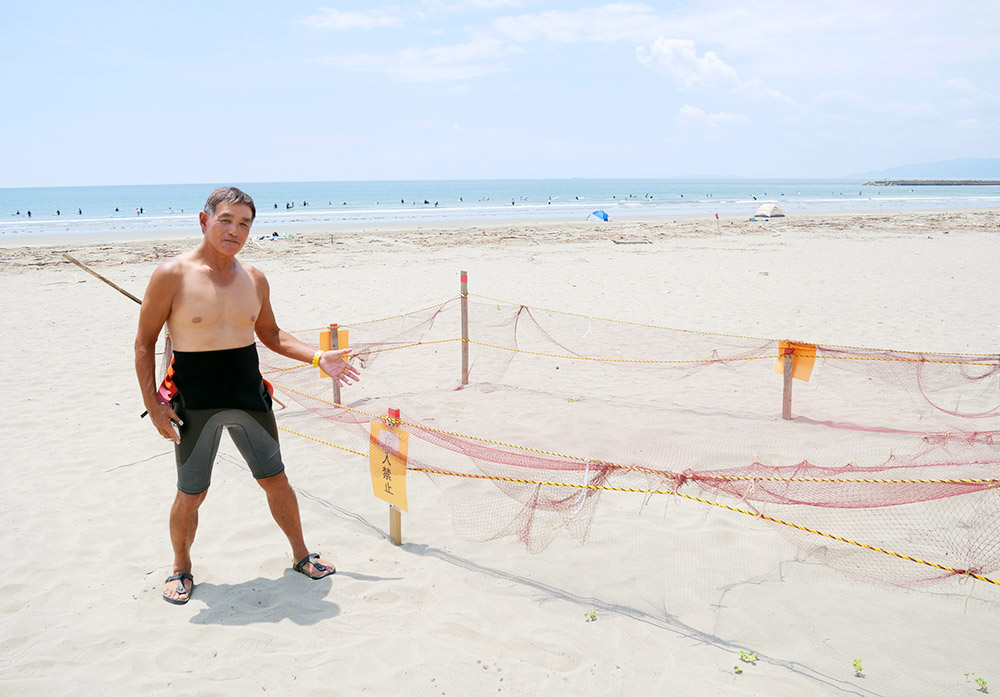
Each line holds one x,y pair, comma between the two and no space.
921,359
836,480
617,360
416,343
381,319
916,560
319,440
633,468
705,333
660,491
300,366
616,321
454,434
717,360
912,360
639,360
758,515
752,514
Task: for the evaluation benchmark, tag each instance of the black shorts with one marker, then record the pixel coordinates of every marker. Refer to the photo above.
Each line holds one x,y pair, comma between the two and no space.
255,434
216,390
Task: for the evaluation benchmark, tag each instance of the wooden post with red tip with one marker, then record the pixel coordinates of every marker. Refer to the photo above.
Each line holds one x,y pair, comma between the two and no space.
786,400
395,519
334,345
465,328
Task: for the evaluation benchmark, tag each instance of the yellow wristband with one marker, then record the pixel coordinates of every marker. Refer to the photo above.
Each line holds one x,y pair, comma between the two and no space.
316,357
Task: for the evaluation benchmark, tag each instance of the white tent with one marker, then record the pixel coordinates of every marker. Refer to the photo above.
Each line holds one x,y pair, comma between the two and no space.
770,210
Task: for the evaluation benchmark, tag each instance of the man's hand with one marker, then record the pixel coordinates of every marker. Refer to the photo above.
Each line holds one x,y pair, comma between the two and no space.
334,365
166,421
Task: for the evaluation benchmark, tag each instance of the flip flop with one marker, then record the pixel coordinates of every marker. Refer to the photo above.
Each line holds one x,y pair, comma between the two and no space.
323,569
184,593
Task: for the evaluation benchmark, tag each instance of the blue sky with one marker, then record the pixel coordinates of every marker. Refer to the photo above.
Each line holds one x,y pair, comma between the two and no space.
122,92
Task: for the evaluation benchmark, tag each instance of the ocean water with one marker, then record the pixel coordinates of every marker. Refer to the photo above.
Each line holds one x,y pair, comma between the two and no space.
151,211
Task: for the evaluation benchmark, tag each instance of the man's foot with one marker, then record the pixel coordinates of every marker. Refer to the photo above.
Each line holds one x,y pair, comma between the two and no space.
178,593
314,567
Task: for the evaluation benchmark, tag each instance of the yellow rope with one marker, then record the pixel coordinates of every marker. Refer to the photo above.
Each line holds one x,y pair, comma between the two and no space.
617,360
318,440
416,343
834,480
731,336
633,468
639,360
617,321
282,370
679,477
381,319
595,487
961,572
920,359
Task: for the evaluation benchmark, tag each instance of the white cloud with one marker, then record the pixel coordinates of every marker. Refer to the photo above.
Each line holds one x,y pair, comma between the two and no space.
840,97
329,18
973,96
961,83
678,58
904,108
605,24
442,6
691,115
436,64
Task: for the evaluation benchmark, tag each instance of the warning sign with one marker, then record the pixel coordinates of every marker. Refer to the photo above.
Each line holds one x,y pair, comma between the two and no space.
387,459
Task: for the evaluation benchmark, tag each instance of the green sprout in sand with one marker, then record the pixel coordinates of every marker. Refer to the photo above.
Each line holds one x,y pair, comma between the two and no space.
859,671
737,670
982,685
590,616
748,657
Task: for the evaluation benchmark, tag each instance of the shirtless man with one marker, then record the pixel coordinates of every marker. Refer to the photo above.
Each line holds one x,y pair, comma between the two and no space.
213,304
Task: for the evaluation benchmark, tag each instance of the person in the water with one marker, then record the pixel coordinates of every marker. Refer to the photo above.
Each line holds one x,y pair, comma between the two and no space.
213,305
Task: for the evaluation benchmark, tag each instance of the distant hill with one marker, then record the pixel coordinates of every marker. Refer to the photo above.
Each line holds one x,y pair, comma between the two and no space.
964,168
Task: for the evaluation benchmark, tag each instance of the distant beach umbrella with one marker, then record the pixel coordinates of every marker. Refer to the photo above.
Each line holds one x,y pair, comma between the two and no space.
600,215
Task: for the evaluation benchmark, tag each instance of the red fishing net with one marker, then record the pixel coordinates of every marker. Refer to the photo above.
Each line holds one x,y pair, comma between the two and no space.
573,426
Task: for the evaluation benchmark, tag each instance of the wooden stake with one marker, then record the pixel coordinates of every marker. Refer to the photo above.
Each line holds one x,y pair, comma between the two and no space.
94,273
334,345
465,329
395,526
786,401
395,519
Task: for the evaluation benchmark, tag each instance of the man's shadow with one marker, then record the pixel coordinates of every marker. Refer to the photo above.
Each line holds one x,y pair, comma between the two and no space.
270,600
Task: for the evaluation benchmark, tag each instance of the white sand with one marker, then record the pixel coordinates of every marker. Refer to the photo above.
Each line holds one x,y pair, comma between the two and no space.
89,484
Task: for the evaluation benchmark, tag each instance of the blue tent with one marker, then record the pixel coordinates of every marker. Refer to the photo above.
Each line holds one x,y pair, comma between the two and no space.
600,215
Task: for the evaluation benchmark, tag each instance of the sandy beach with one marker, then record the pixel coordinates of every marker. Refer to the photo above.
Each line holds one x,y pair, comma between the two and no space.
90,484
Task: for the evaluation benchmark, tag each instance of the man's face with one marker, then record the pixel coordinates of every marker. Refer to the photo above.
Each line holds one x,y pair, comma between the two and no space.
227,229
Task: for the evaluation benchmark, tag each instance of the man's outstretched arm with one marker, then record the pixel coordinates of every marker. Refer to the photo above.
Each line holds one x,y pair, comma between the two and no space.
283,343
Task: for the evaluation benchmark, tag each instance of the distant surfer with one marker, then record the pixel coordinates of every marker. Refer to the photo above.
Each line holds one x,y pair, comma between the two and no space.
214,306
